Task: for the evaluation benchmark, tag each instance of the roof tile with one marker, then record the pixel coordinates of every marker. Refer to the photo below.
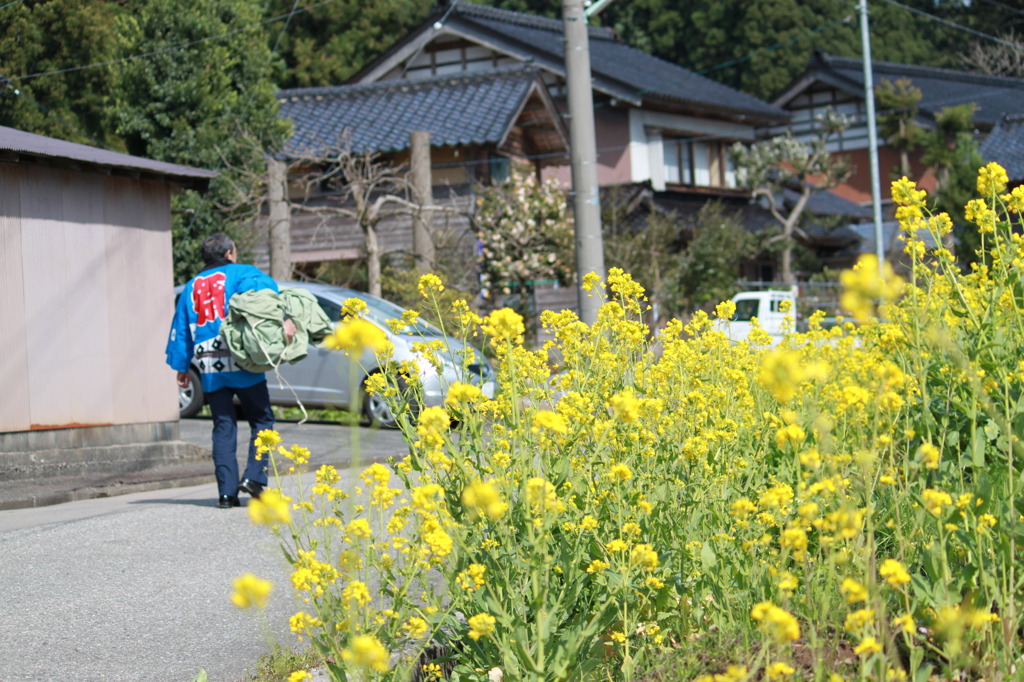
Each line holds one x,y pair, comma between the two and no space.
464,108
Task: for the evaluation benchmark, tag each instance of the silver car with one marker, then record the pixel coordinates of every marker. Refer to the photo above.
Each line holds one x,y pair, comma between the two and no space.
323,378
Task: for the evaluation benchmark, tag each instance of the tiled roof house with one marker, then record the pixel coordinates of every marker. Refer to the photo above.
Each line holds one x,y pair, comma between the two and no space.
839,82
489,85
1005,145
656,121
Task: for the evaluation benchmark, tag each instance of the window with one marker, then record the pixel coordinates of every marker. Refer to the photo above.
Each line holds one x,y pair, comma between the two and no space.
746,310
698,162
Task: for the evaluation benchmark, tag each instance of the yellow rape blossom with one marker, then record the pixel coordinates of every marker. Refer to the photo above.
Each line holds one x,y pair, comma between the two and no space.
359,528
930,456
853,591
868,645
624,406
620,472
777,622
992,180
643,555
725,310
615,546
250,591
303,623
904,623
366,651
472,578
504,325
352,307
791,434
779,671
893,572
481,625
857,620
356,591
549,421
267,440
376,473
270,508
415,627
429,284
483,499
935,500
463,393
355,335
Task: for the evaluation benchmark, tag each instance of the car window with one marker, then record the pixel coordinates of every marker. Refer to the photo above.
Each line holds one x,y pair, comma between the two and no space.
332,310
746,310
380,311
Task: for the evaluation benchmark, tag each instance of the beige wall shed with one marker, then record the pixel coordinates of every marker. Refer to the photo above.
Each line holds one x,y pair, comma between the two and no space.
85,295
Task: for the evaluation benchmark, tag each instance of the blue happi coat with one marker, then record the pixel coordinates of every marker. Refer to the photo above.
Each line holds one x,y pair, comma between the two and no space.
195,330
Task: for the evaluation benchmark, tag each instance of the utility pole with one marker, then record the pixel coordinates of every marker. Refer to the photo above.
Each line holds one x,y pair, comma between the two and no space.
583,154
869,98
422,196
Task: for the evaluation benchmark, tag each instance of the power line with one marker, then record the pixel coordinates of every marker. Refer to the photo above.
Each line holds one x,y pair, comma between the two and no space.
11,3
951,24
1004,6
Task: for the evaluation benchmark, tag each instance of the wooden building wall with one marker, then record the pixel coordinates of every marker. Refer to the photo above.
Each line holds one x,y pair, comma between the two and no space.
86,299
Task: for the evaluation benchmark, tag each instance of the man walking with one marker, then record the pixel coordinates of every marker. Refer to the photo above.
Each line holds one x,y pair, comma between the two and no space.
195,333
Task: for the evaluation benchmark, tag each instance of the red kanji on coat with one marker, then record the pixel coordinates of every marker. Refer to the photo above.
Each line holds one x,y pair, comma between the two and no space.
208,298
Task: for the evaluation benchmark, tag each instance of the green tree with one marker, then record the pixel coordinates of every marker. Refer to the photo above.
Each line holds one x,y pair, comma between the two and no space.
55,36
898,102
645,244
201,94
327,43
709,265
953,152
770,167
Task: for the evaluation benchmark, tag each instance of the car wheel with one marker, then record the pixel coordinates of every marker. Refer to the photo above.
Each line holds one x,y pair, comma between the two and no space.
377,411
190,400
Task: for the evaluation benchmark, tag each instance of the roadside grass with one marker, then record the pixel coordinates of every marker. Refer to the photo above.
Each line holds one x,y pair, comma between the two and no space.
279,664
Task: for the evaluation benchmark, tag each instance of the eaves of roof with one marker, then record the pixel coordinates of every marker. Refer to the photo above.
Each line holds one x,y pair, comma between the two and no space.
456,109
1005,146
618,70
19,146
940,87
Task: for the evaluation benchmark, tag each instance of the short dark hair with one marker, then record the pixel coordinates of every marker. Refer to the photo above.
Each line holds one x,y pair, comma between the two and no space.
215,246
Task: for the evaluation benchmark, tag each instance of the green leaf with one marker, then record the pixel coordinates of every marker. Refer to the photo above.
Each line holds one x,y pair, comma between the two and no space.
201,677
707,557
978,447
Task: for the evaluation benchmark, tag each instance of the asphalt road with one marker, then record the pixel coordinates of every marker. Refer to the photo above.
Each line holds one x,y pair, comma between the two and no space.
137,587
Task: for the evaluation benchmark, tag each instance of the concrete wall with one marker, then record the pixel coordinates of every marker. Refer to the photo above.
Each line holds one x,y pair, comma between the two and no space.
86,299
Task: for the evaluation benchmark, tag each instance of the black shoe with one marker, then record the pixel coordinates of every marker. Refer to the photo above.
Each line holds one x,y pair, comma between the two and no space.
247,485
228,501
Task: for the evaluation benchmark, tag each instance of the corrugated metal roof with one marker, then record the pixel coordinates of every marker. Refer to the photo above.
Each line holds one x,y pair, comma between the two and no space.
1005,145
31,144
461,109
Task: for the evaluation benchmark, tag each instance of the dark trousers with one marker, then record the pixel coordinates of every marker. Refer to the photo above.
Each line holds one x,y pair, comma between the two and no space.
256,404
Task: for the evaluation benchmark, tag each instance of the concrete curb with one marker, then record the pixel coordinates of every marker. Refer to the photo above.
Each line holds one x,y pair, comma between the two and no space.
59,491
42,478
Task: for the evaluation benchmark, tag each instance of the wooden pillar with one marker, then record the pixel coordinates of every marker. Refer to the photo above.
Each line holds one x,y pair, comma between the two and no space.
423,196
280,220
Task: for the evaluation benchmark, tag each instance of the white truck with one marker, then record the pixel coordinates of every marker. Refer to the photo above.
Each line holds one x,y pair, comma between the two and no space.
766,306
